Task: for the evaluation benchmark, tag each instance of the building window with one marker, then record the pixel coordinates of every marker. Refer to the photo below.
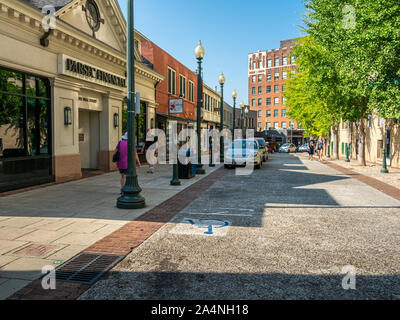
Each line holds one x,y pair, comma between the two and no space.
283,125
291,123
283,113
191,91
268,77
259,77
276,62
268,89
283,88
171,81
284,75
283,100
292,73
268,101
276,88
259,90
293,59
25,129
254,65
276,77
276,125
253,102
259,102
259,113
276,101
284,61
268,125
268,113
182,86
259,125
253,90
259,65
276,113
269,63
253,79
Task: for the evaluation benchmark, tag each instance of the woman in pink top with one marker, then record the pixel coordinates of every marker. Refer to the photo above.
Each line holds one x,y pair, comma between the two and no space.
122,163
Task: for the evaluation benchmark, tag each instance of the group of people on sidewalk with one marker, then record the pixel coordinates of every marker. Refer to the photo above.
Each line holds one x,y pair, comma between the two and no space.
312,145
122,148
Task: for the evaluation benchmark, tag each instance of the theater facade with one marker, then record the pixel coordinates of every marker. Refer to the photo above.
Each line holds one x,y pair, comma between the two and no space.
62,90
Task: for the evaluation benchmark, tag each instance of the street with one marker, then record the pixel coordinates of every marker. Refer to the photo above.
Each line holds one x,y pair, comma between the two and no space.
291,230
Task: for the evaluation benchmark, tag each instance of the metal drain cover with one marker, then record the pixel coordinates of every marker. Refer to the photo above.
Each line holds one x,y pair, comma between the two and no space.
86,268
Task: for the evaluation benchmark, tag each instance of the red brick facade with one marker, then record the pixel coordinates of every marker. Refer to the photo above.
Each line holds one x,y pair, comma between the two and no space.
263,97
162,61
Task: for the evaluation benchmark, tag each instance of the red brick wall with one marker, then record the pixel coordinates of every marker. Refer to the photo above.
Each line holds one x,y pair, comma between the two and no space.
161,61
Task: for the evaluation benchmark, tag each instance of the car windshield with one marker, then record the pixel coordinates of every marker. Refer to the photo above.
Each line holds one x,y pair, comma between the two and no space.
244,144
286,145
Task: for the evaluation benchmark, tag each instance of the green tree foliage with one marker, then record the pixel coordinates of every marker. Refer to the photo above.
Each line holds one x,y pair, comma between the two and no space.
363,39
314,95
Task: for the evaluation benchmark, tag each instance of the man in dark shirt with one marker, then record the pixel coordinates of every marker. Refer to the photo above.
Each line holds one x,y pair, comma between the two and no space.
311,146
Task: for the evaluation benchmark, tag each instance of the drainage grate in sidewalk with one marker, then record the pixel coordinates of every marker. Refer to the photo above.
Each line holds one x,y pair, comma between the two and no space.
86,268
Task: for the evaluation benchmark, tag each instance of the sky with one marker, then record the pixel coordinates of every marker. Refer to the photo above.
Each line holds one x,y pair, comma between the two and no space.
228,29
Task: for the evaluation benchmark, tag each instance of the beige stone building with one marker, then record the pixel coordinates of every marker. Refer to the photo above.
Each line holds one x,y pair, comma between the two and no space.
210,111
62,89
378,133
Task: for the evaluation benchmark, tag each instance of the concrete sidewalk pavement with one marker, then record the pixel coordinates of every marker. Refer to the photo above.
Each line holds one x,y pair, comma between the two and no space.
48,226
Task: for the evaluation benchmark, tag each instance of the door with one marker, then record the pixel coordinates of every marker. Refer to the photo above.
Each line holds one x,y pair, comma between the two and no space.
89,139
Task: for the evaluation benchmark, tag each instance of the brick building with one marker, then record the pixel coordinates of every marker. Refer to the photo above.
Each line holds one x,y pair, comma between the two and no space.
267,72
180,82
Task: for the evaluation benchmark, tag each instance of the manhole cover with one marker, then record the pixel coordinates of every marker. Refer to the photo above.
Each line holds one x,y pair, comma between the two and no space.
86,268
35,250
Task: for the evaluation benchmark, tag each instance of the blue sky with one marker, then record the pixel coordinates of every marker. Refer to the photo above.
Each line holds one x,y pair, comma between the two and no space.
229,30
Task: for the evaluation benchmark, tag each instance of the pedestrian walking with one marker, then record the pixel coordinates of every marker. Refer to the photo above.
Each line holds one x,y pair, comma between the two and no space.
150,140
320,147
121,155
311,146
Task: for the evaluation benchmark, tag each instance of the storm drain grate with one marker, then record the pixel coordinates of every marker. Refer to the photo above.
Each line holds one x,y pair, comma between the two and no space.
86,268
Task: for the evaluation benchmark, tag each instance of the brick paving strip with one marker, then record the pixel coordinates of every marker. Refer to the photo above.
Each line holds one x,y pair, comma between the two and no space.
372,182
124,240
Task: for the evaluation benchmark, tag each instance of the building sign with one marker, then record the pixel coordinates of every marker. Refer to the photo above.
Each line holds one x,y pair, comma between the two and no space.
176,106
78,69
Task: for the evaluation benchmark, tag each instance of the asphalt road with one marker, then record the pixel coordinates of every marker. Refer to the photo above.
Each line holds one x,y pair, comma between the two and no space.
292,230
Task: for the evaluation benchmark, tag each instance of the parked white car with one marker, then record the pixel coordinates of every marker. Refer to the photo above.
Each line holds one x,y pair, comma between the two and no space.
242,152
288,147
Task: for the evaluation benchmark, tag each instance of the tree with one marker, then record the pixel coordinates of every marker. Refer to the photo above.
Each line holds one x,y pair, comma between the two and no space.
314,95
363,38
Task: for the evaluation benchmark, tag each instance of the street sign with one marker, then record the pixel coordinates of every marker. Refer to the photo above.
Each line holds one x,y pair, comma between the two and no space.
176,106
137,103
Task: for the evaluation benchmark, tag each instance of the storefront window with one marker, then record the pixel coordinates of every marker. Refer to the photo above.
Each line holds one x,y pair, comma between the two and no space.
25,148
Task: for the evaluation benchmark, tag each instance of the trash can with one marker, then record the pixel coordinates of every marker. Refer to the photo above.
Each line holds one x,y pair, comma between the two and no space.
185,171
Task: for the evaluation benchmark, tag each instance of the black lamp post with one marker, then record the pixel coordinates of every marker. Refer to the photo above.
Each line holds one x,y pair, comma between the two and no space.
221,81
199,53
131,198
234,96
384,165
241,115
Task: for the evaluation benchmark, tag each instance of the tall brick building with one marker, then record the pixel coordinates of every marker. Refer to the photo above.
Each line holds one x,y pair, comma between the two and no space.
267,72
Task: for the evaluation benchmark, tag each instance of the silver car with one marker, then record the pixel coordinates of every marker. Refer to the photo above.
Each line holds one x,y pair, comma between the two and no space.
242,152
288,147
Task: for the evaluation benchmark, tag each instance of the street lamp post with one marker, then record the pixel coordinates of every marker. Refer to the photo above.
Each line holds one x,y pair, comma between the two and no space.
131,198
246,111
241,114
199,53
234,96
221,81
384,164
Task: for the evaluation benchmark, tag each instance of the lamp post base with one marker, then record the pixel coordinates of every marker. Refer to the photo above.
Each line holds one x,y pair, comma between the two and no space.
384,170
212,165
131,202
200,169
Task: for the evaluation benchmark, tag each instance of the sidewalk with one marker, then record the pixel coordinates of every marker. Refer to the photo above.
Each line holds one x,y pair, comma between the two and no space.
49,226
372,170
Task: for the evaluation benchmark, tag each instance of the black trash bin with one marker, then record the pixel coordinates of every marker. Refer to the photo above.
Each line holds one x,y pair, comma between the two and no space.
185,170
